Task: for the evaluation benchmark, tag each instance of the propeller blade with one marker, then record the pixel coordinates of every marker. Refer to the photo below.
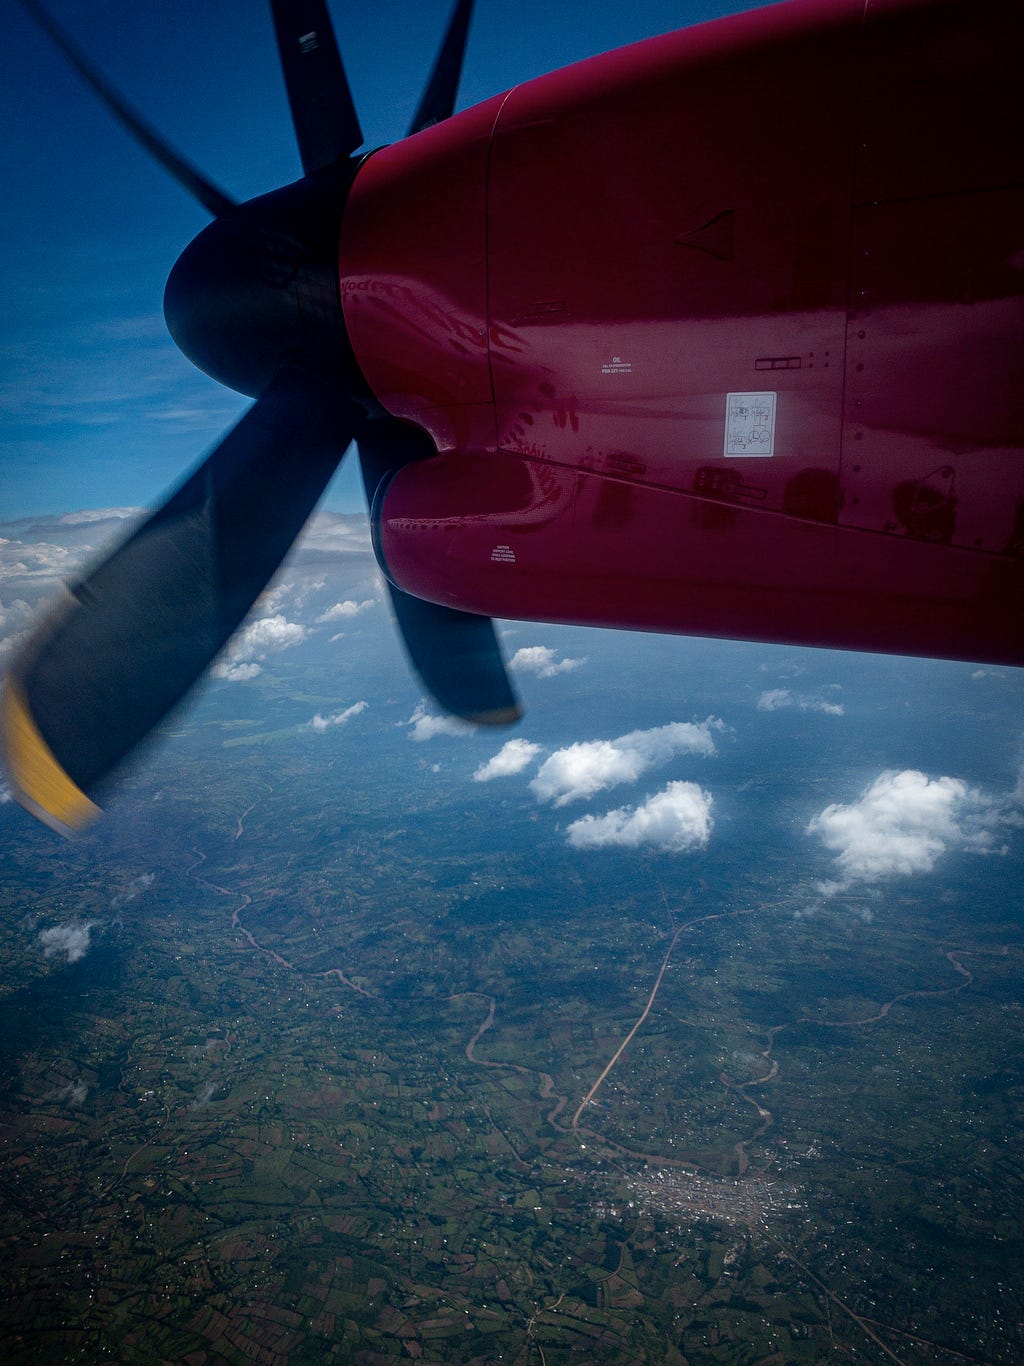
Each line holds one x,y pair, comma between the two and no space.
456,654
130,639
326,124
458,659
438,102
201,189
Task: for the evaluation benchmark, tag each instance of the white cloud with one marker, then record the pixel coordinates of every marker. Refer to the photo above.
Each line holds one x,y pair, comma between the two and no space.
334,533
321,723
256,640
788,669
512,758
775,699
267,636
425,727
74,1093
272,600
297,591
35,560
134,889
13,621
205,1095
71,940
582,769
677,819
306,589
342,610
904,822
98,515
543,661
235,673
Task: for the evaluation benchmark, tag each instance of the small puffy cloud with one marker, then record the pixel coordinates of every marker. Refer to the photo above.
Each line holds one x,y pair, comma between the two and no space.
296,592
205,1095
426,727
543,661
790,668
582,769
777,699
74,1093
267,636
904,822
342,611
677,819
72,940
256,640
133,889
321,723
235,673
512,758
272,600
307,588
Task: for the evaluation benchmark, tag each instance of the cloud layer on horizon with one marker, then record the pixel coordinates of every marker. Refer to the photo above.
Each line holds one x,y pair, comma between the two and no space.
37,553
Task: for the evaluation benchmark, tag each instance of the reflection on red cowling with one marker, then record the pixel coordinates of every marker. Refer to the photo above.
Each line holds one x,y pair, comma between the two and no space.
721,333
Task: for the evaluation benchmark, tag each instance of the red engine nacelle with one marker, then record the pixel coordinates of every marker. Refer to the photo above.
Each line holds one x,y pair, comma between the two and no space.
719,334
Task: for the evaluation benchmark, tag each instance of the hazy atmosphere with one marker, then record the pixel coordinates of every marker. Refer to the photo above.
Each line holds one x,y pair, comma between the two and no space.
298,1038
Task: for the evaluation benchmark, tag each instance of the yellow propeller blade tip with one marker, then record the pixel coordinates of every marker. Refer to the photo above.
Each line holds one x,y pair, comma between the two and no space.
38,781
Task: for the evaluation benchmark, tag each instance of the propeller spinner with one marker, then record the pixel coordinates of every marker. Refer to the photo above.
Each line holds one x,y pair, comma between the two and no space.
254,301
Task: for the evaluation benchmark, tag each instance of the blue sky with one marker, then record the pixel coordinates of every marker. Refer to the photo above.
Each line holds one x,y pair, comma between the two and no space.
97,408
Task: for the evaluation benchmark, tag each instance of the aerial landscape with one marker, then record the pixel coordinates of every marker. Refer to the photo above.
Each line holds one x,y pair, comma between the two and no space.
684,1025
678,1022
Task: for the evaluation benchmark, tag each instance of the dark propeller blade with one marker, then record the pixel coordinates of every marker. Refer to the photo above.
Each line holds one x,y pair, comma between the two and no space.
183,172
256,291
326,124
438,102
458,659
132,637
456,654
